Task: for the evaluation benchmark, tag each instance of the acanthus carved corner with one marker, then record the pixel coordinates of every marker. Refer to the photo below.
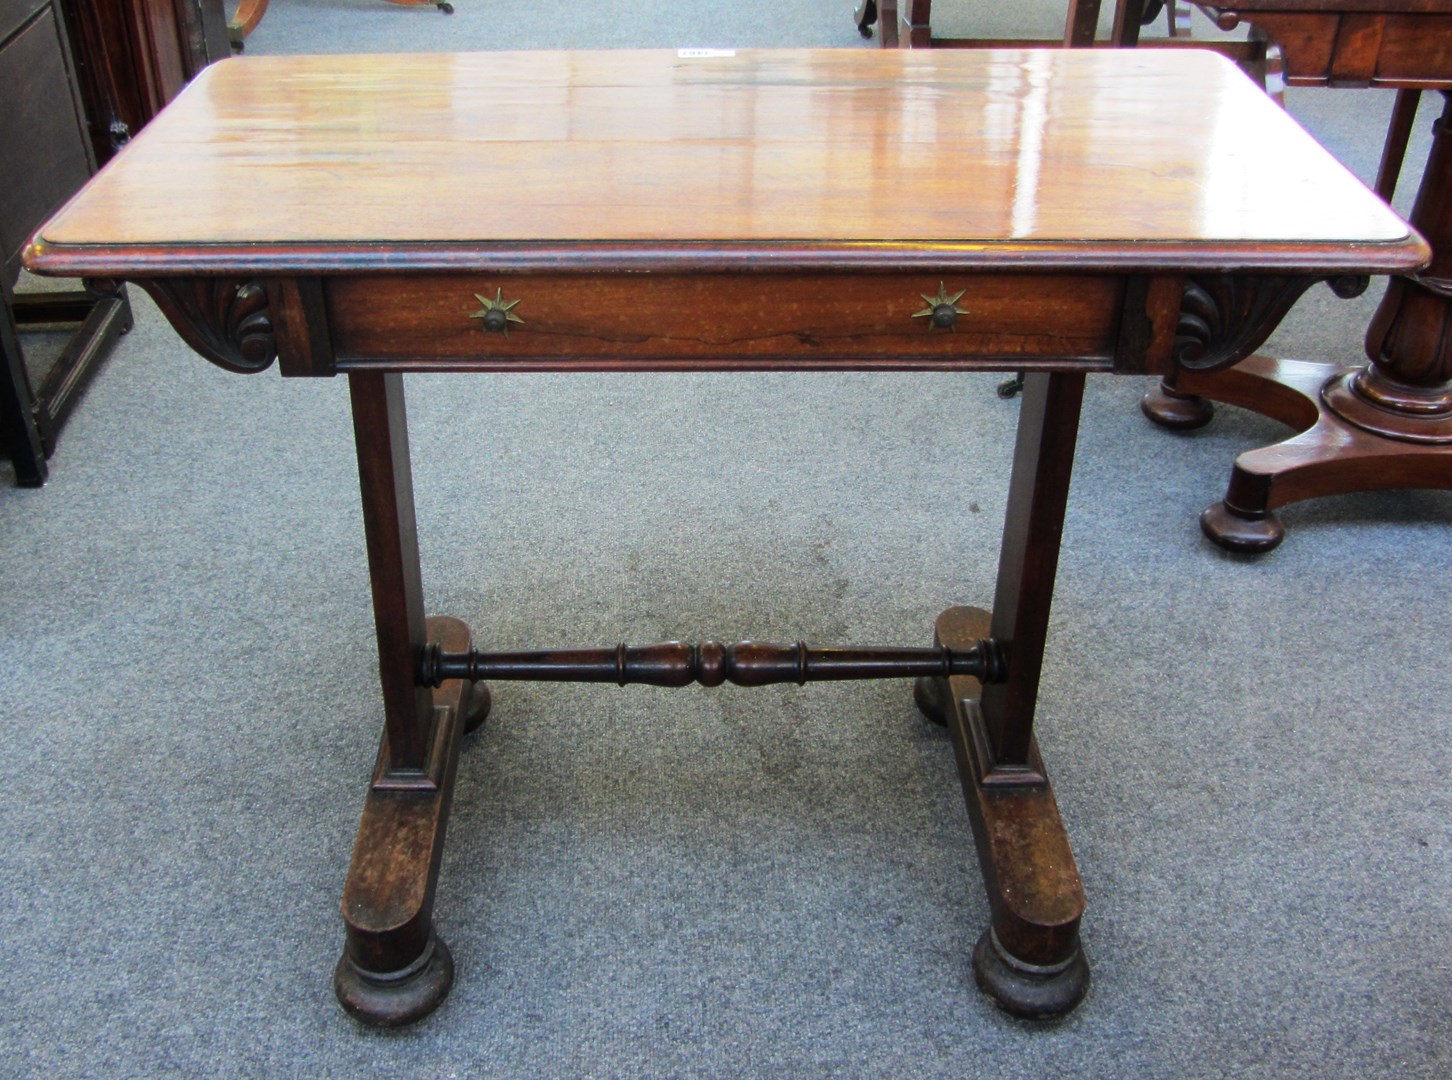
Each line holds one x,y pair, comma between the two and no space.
227,320
1226,317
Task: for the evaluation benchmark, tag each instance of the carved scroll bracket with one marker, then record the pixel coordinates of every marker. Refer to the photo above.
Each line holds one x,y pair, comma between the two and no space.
1226,317
227,320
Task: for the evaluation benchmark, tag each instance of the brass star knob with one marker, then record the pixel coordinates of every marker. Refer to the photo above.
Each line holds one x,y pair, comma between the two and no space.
496,314
942,311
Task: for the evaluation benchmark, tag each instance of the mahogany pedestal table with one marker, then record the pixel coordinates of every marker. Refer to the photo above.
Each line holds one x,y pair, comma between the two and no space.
1387,424
723,211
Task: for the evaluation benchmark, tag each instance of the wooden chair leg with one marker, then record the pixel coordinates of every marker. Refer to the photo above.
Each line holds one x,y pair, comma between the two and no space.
249,13
1178,14
1394,151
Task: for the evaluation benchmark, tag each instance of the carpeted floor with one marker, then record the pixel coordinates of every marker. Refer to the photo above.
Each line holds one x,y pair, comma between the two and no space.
1251,756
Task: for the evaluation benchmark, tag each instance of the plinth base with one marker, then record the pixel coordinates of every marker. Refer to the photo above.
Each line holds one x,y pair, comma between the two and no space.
395,969
1030,960
1332,455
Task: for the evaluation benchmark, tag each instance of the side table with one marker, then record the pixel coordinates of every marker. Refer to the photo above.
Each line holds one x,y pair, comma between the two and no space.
726,211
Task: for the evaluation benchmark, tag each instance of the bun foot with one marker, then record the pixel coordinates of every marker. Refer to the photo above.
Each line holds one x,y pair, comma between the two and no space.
928,697
477,701
1239,533
396,998
1028,990
1174,410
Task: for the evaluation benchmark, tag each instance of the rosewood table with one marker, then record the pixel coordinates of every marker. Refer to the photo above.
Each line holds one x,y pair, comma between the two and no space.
1068,212
1387,424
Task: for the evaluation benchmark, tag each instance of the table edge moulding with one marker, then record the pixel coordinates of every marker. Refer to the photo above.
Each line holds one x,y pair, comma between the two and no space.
861,209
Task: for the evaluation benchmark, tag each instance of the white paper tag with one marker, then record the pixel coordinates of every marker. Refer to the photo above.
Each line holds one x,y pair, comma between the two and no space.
703,54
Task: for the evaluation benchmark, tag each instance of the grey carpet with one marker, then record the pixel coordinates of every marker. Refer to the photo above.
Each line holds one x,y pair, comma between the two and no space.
1251,756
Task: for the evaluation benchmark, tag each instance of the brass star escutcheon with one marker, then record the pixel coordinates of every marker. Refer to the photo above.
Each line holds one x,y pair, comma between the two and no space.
942,310
497,313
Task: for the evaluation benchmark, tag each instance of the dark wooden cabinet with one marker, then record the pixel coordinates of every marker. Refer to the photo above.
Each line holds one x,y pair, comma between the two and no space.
41,125
133,56
77,79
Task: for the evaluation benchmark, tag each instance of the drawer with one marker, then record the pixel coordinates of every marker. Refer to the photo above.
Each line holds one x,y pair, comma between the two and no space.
583,321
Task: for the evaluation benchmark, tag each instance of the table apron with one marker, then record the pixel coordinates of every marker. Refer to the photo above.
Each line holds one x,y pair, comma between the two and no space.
1327,47
705,321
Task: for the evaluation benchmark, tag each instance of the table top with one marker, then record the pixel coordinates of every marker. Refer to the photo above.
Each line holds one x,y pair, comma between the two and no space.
828,158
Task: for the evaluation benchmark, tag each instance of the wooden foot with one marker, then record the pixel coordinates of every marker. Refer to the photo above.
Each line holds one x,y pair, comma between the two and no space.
1011,388
393,999
865,15
1331,455
1170,408
1030,961
1242,531
394,968
1026,990
477,703
928,697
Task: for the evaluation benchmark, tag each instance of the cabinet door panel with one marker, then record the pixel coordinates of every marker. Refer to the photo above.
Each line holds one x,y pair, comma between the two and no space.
45,159
133,56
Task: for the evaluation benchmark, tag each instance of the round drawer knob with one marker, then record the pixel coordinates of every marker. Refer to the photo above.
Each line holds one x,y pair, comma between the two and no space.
496,314
942,311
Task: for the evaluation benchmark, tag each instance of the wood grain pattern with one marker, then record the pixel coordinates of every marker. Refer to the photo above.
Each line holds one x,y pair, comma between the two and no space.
577,320
951,151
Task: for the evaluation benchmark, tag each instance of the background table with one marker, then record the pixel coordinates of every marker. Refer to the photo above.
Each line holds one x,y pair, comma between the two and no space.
1388,424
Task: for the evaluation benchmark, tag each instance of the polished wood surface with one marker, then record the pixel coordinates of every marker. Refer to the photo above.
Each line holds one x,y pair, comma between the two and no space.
1064,212
755,149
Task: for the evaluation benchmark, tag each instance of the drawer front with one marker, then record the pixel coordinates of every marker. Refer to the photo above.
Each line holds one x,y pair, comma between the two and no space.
583,321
